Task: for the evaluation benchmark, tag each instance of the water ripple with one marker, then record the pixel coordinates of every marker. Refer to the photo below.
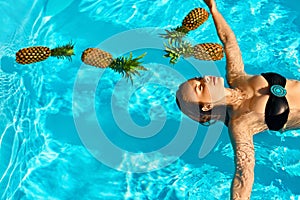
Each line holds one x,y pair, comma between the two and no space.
35,166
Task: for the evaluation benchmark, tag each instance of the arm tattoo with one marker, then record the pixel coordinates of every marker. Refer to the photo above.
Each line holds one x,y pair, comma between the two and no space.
244,172
234,61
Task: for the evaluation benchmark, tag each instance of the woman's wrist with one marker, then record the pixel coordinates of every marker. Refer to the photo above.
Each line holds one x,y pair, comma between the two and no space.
213,9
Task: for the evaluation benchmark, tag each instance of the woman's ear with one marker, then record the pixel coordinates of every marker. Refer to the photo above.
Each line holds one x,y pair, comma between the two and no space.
207,107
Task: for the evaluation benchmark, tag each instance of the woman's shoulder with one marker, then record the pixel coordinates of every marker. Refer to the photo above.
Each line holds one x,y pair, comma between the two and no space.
257,80
249,80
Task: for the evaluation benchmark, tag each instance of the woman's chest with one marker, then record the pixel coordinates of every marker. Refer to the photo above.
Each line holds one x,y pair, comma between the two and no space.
256,92
257,103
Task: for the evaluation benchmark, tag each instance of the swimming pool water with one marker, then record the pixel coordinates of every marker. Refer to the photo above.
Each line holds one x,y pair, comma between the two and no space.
71,131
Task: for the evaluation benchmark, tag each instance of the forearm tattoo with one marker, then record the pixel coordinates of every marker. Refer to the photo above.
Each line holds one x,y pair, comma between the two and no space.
244,172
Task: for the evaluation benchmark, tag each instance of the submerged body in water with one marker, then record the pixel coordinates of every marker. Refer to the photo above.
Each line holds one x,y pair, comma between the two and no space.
252,104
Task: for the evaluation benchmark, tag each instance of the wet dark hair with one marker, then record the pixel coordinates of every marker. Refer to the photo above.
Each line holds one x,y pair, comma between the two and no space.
195,112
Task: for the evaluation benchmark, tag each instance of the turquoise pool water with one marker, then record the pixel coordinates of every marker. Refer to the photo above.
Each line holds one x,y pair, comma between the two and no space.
71,131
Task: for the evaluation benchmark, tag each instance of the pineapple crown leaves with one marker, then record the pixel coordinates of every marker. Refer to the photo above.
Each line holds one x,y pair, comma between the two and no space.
64,51
175,35
128,66
174,51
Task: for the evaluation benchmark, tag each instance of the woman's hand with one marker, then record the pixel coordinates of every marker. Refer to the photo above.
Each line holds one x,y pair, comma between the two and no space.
210,3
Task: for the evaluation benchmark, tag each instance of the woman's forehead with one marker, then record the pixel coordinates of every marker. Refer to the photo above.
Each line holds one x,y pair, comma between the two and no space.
192,82
189,84
187,90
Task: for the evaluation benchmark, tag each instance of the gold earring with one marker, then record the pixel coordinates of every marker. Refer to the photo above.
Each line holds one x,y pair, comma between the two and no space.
207,107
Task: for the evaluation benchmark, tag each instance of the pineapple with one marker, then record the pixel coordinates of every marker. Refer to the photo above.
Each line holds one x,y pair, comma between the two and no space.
126,66
40,53
192,21
204,51
32,54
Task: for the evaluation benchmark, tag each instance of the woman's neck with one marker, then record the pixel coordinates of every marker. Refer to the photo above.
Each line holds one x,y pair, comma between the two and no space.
234,97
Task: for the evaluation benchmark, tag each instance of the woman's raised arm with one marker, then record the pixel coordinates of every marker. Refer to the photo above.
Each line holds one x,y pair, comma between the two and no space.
234,61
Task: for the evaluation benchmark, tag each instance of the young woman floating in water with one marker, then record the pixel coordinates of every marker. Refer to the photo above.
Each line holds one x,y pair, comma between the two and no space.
252,104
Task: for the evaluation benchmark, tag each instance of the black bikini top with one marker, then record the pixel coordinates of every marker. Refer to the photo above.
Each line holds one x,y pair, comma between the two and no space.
277,108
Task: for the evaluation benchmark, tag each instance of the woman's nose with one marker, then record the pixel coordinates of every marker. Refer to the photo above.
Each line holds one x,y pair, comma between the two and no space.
206,79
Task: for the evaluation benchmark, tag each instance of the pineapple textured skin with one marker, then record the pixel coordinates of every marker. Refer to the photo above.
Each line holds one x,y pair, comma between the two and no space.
195,18
32,54
208,51
96,57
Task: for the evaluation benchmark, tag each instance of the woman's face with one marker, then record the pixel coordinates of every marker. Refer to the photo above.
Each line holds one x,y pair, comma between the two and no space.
208,89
